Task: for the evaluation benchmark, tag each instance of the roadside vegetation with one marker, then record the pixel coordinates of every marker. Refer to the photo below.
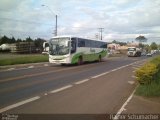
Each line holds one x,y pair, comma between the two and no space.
22,59
38,43
9,58
148,77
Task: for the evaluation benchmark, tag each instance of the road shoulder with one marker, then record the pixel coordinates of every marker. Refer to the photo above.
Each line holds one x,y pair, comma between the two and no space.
143,105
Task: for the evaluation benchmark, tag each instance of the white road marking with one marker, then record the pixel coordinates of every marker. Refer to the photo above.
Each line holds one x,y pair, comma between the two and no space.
123,106
136,66
134,71
61,89
21,68
98,75
19,104
46,65
125,109
107,72
111,71
82,81
11,69
134,76
31,67
131,82
141,64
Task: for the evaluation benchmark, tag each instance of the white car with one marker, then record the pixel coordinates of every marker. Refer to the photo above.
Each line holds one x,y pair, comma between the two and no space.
149,54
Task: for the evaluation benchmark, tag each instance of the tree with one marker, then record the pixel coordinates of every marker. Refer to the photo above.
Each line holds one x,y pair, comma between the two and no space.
39,43
4,39
141,45
159,46
147,48
29,39
120,43
154,46
12,40
114,41
19,40
141,39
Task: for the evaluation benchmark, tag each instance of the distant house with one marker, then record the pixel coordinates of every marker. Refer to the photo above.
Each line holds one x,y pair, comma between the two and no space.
23,47
133,44
113,46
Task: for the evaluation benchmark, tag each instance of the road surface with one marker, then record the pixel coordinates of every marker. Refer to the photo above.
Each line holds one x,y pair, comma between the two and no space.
92,88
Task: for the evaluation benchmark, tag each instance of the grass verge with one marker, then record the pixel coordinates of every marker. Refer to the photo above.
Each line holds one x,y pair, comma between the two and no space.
24,60
152,89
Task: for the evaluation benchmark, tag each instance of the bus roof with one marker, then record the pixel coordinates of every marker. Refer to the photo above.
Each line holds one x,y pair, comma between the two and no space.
70,36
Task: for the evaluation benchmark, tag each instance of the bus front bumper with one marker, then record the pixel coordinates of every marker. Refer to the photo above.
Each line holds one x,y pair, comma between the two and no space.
59,60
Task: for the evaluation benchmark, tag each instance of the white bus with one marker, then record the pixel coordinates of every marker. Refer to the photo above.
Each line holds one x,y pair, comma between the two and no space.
75,50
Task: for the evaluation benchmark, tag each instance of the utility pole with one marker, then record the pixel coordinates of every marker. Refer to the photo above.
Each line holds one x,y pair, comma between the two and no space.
56,18
101,30
56,27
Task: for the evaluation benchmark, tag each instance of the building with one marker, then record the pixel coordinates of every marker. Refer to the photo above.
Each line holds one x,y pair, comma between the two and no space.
113,46
133,44
23,47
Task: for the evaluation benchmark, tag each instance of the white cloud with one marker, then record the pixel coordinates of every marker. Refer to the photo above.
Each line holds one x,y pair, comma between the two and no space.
122,19
7,5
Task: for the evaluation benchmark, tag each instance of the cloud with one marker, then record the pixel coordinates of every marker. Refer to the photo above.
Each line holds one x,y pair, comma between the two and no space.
8,5
25,20
123,19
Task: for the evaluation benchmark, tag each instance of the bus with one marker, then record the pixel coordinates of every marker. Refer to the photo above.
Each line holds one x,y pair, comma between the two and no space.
75,50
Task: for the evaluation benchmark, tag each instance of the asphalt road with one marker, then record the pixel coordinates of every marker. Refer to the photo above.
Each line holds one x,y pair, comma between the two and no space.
92,88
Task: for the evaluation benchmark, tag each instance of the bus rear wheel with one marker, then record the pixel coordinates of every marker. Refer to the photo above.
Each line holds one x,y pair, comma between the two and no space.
100,59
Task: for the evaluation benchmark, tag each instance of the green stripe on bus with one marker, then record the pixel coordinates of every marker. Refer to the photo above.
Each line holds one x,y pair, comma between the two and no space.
88,57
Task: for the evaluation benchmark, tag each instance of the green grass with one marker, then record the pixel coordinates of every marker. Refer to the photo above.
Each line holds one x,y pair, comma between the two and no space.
150,90
23,59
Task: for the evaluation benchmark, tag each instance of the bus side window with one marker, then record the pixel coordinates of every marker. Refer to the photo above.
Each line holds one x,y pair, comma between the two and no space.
73,46
81,42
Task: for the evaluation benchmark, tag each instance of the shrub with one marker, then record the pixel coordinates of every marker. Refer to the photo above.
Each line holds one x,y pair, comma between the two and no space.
149,78
147,73
156,61
149,90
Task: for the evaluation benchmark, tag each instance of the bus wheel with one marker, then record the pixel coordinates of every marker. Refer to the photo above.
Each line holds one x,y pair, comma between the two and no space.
80,61
100,59
63,64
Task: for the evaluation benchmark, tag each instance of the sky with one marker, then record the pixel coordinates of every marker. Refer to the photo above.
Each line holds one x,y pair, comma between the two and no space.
122,20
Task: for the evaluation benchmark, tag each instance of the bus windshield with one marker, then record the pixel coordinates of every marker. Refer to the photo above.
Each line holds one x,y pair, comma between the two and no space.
59,46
